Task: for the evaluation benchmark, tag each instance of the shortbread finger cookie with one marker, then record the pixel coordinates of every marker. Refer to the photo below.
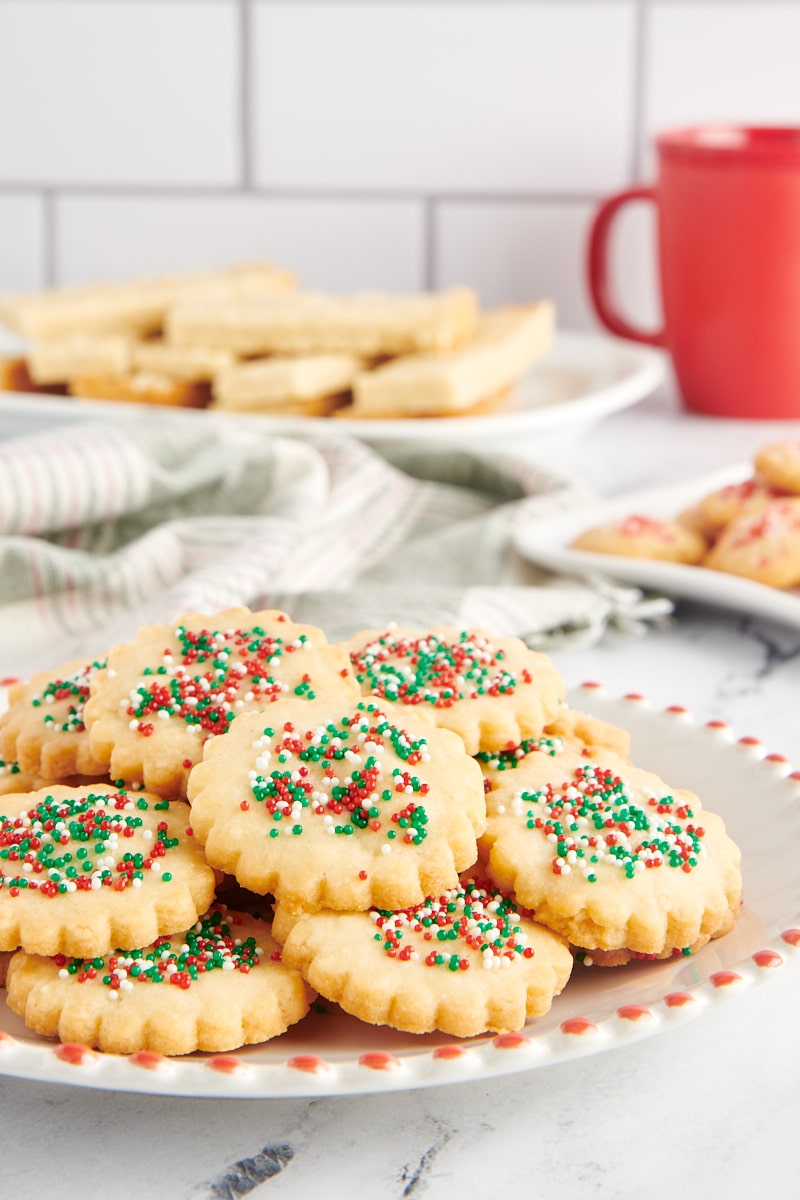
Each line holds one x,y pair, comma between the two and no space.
217,986
43,728
16,377
639,536
506,343
85,869
608,856
368,325
762,546
490,691
191,363
466,961
341,807
178,685
141,387
275,383
716,510
779,465
61,359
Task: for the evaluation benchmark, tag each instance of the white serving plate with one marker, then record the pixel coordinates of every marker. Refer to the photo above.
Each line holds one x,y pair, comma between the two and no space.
546,541
582,380
330,1053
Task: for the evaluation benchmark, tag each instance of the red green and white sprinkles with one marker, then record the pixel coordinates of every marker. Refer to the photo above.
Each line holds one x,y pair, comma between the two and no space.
431,670
594,819
213,675
337,774
180,960
9,768
68,697
470,923
78,844
510,758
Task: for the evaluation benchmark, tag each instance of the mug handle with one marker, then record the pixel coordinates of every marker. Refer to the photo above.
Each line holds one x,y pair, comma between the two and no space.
599,286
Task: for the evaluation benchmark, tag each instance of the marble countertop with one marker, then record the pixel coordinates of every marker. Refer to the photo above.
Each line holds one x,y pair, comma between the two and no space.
709,1108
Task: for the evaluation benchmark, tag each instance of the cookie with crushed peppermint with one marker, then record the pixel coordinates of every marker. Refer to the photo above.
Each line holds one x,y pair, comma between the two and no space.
328,805
642,536
610,857
43,729
466,961
762,546
489,690
85,869
165,695
216,986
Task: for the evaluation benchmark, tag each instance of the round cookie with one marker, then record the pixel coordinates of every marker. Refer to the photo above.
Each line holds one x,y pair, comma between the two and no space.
606,855
639,536
166,694
763,546
488,690
466,961
43,728
85,869
716,510
217,986
14,779
779,465
338,806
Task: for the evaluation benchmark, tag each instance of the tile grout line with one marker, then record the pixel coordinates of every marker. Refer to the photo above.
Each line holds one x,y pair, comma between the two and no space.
245,99
49,237
134,191
429,243
641,43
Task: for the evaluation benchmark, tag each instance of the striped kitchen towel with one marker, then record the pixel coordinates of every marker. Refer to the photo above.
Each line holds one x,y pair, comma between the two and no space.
104,528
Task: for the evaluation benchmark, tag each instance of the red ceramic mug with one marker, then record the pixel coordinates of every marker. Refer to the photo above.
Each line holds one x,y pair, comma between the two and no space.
728,201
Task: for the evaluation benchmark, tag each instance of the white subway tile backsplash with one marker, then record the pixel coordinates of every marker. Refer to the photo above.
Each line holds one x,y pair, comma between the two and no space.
131,92
524,251
341,245
711,62
489,97
22,250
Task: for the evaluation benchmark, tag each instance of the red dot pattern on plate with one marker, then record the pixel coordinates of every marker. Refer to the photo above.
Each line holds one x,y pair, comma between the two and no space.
795,775
724,978
578,1025
147,1059
376,1060
590,685
511,1041
9,680
767,958
791,937
777,758
633,1012
74,1053
749,741
447,1052
633,696
310,1063
678,999
716,724
677,708
228,1064
5,1038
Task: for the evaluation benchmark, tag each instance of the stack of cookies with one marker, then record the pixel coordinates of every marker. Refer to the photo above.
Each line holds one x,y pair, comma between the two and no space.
750,528
204,828
244,340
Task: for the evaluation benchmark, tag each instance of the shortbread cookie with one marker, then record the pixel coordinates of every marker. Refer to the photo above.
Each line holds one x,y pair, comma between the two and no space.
178,685
85,869
5,959
639,536
14,779
43,729
764,546
368,325
15,377
779,465
716,510
608,856
466,961
62,359
573,726
224,986
141,387
506,343
488,404
490,691
338,806
275,383
196,364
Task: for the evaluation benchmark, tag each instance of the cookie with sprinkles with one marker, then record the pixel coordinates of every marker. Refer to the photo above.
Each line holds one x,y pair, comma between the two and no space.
14,779
338,806
43,729
709,515
778,465
488,690
218,985
465,961
166,694
642,536
582,729
763,546
5,959
85,869
610,857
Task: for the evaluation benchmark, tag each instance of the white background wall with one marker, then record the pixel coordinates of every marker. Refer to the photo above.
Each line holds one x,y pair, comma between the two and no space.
392,143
